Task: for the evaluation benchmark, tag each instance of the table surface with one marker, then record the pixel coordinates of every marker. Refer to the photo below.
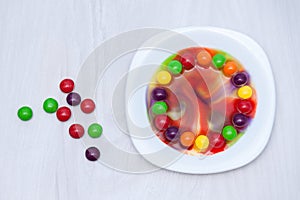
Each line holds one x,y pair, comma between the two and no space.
45,41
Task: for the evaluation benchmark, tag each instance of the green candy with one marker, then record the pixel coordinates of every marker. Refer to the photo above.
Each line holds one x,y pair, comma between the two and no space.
95,130
229,133
218,60
25,113
50,105
159,107
175,67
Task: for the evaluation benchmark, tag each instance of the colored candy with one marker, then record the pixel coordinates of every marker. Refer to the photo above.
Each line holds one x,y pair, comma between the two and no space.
216,141
244,106
66,85
161,122
240,79
229,132
245,92
87,106
230,68
50,105
73,99
201,143
203,58
63,114
76,131
188,61
175,67
92,154
187,139
218,60
159,94
171,133
159,107
163,77
95,130
240,120
25,113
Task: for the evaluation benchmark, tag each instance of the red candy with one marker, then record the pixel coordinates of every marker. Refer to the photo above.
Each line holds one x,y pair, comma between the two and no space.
188,61
216,141
76,131
244,106
63,114
87,106
161,122
66,85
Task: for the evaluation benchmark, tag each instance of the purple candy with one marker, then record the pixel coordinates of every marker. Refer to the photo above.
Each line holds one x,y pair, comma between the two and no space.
92,154
159,94
171,133
240,120
73,99
240,79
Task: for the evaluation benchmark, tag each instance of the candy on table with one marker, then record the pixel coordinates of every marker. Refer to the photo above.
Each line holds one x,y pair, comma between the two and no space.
171,133
245,92
73,99
159,94
244,106
218,60
76,131
201,143
188,61
161,122
95,130
187,139
159,107
240,79
92,154
50,105
25,113
66,85
229,132
204,58
230,68
87,106
240,120
163,77
63,114
175,67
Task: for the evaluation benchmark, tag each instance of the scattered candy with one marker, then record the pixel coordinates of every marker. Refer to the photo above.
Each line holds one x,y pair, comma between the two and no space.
245,92
50,105
159,94
73,99
188,61
163,77
218,60
66,85
230,68
161,122
201,143
171,133
25,113
216,141
92,154
175,67
187,139
240,79
63,114
159,107
76,131
244,106
229,132
95,130
87,106
240,120
203,58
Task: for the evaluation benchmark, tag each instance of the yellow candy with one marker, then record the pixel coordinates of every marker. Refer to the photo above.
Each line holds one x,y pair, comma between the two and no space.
201,142
163,77
245,92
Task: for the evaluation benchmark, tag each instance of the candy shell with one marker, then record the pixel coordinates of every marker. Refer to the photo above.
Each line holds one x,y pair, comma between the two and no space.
25,113
230,68
50,105
163,77
201,143
159,94
245,92
175,67
218,60
171,133
159,107
161,122
87,106
95,130
203,58
76,131
187,139
188,61
229,132
92,154
66,85
63,114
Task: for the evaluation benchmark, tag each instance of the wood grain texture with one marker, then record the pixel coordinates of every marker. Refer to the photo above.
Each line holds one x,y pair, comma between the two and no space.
44,41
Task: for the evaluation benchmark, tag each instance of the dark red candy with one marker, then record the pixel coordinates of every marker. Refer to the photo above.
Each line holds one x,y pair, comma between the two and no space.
161,122
76,131
240,120
187,61
73,99
216,141
66,85
63,114
244,106
92,154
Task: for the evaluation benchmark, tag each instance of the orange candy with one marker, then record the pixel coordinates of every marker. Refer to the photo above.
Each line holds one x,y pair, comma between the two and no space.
187,139
230,68
203,58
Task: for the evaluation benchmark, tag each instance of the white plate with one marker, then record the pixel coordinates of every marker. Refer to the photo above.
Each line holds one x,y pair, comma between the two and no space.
255,61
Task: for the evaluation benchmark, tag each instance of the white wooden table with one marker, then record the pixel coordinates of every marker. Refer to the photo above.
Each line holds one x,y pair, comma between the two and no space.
43,41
